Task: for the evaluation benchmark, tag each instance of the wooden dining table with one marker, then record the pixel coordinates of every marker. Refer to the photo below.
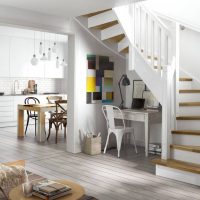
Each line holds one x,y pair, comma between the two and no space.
40,109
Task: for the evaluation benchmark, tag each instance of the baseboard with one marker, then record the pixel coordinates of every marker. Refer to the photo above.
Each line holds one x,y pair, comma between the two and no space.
178,175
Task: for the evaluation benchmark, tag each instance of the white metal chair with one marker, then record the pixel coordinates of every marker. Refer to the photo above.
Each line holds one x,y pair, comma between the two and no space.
118,131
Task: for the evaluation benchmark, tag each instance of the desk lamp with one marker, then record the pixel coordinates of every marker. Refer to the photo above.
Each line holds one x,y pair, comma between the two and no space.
124,80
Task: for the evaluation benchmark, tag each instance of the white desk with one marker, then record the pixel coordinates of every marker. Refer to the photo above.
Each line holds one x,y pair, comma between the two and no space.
148,117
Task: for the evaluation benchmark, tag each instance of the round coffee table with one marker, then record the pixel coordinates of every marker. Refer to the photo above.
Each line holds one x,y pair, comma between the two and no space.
77,192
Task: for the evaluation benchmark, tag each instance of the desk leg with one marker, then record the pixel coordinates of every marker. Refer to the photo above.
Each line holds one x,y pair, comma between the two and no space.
147,132
20,125
41,137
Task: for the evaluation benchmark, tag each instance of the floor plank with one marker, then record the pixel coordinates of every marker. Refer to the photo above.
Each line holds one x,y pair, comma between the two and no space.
106,177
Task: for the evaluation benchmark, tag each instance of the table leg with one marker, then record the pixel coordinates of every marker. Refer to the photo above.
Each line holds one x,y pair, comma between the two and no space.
147,130
20,125
41,137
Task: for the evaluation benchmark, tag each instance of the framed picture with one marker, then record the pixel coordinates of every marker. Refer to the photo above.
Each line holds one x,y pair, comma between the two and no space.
99,79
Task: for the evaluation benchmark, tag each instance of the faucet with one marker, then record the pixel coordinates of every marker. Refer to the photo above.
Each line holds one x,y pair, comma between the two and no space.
16,86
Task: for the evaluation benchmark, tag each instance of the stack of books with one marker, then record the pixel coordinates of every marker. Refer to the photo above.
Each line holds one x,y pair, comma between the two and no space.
50,190
155,149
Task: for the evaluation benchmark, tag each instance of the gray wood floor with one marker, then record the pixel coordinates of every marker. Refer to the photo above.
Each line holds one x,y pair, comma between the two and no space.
105,177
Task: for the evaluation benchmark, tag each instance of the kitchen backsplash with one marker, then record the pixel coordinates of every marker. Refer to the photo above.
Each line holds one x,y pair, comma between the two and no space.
43,85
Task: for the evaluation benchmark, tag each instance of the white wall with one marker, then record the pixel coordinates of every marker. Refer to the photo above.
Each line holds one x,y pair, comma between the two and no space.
189,52
88,117
44,85
155,129
33,20
186,11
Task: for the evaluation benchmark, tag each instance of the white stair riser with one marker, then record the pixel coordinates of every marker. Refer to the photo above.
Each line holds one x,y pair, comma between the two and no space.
184,85
188,124
189,110
185,156
102,18
179,139
178,175
111,32
123,44
189,97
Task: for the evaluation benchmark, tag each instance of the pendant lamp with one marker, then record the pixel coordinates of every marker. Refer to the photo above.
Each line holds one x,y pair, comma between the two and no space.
34,60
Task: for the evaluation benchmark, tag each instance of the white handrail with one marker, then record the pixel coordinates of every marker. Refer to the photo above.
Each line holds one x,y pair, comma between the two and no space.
151,36
153,16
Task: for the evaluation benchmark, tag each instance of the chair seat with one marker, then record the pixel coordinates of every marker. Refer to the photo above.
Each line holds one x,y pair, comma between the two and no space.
64,120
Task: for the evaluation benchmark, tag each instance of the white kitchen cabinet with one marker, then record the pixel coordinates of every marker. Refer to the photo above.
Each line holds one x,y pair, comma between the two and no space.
51,70
4,54
6,110
21,52
18,100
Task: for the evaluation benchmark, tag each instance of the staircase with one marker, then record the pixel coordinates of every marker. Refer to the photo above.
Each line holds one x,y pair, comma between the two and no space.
152,49
105,27
184,162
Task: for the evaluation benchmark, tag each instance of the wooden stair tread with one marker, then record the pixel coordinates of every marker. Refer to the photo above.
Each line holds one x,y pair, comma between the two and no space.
155,58
125,50
96,13
117,38
188,118
189,104
106,25
195,149
189,91
185,79
186,132
156,67
176,164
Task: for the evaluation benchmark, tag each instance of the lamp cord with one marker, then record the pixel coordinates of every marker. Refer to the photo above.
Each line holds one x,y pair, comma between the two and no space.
34,42
121,105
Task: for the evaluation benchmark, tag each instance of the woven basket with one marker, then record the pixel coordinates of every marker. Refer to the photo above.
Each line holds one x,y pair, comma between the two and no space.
92,146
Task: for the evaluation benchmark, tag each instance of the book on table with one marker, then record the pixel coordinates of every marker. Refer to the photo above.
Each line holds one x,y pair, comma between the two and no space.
50,190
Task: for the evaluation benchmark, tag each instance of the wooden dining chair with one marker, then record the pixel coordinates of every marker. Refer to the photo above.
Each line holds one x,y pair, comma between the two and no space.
58,118
31,114
52,99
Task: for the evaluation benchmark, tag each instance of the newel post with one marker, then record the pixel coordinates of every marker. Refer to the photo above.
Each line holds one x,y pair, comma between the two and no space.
166,116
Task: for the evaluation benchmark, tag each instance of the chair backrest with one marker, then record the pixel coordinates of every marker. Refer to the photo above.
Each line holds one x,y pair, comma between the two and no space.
53,99
31,100
109,114
61,106
61,110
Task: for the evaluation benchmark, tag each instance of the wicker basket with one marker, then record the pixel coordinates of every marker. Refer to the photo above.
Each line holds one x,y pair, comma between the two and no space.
92,145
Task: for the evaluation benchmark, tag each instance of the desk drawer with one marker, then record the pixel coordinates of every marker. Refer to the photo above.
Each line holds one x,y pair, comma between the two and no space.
134,117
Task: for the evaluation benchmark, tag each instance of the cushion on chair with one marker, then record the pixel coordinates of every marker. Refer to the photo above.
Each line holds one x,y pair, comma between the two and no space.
10,177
